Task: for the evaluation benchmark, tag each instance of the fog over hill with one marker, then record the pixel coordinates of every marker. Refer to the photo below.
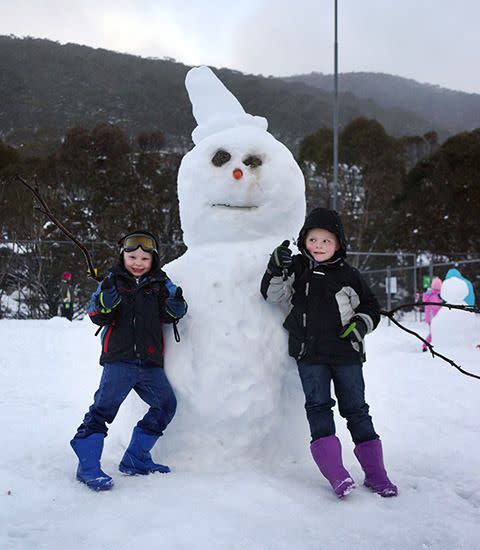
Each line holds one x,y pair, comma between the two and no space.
455,111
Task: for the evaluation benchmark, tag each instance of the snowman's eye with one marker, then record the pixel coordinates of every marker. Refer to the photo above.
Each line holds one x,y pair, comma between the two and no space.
221,157
253,161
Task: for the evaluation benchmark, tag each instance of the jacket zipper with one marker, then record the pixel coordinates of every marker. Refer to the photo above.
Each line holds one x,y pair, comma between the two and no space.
304,319
137,281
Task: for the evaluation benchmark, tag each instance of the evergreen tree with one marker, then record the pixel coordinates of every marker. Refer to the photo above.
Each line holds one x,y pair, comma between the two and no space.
99,189
439,204
371,167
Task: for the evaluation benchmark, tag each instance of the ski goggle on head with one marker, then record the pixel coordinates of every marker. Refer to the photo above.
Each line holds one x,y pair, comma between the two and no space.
145,242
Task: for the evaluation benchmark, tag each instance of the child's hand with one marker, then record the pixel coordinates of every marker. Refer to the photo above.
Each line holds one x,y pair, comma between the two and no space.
108,282
175,305
109,296
281,260
355,330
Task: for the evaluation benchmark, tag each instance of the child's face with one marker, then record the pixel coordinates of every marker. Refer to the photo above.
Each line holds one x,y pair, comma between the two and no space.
137,262
321,244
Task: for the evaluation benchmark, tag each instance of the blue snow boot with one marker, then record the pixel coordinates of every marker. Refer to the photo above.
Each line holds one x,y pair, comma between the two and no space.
89,450
137,458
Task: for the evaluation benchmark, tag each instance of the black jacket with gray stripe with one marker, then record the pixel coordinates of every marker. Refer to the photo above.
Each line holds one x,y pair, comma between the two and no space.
323,297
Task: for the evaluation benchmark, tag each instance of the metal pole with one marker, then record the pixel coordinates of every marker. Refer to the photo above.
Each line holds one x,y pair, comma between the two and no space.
389,290
333,199
415,282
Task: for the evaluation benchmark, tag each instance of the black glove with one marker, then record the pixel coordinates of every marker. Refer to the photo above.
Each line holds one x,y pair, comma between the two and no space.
175,305
355,330
281,262
109,296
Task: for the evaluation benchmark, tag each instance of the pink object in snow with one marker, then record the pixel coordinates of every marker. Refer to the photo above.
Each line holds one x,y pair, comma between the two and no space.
430,311
432,295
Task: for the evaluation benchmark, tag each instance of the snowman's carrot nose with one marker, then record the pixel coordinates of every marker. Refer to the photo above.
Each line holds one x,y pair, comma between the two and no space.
237,173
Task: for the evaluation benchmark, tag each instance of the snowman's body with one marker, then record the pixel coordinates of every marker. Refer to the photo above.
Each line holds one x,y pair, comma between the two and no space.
454,328
241,194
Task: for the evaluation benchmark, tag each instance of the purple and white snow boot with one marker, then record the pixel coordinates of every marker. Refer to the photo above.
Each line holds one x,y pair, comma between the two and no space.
327,453
370,456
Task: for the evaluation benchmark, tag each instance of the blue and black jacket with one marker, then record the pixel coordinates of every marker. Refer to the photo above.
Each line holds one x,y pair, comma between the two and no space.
133,330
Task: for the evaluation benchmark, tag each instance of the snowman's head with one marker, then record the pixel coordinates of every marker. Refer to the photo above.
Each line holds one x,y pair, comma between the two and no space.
454,290
238,182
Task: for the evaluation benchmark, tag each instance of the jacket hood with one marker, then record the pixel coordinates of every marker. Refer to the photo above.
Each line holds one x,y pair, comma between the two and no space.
436,283
453,273
323,218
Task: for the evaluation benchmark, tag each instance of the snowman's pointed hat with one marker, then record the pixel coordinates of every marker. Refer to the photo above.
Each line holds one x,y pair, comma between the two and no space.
214,107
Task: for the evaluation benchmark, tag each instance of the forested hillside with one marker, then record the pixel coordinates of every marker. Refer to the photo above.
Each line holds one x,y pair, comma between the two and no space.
46,87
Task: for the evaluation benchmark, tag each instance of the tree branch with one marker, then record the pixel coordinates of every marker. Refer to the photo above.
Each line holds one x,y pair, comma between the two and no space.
35,190
470,309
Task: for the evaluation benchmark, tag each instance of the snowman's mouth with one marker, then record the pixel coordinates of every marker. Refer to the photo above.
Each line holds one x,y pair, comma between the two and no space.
234,207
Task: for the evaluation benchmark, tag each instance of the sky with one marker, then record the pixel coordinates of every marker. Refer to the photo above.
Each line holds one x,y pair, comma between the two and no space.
434,41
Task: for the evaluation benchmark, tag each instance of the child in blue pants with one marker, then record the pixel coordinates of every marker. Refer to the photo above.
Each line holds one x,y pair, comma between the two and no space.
132,303
332,310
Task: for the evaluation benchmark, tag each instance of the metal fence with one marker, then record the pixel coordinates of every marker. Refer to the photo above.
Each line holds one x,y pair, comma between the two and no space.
399,278
30,274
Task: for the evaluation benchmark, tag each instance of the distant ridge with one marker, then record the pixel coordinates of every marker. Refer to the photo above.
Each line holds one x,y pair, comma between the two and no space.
453,110
46,87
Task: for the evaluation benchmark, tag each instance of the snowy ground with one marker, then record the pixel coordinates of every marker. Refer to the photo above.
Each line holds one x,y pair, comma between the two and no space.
427,413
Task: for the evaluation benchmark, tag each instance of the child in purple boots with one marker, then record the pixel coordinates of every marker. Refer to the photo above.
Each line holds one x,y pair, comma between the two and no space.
332,310
131,304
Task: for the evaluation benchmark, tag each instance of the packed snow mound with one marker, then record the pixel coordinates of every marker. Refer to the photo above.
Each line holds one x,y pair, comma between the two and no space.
452,328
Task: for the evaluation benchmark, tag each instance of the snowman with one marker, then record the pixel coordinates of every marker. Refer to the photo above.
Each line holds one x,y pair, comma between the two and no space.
454,328
241,193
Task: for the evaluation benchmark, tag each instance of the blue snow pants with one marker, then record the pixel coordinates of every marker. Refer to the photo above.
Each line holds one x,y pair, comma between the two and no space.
350,391
118,379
